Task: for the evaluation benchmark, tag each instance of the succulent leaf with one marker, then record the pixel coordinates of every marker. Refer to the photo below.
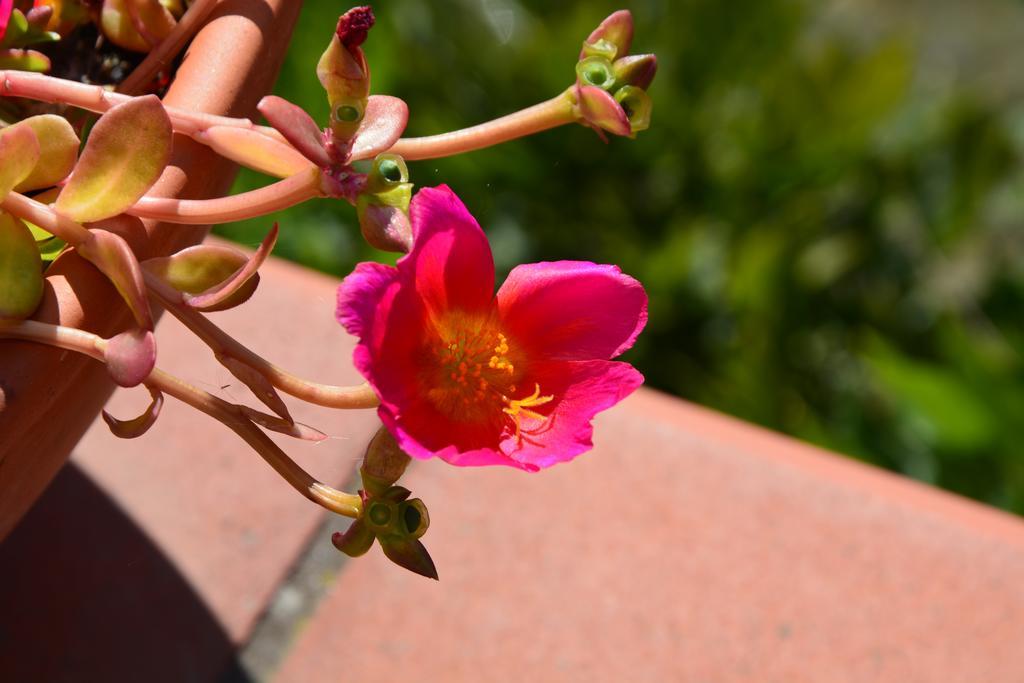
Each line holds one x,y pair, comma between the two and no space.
297,127
58,150
19,154
137,426
240,285
255,150
125,154
130,356
21,276
112,255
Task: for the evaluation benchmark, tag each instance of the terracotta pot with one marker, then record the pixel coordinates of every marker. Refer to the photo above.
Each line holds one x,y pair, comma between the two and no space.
49,397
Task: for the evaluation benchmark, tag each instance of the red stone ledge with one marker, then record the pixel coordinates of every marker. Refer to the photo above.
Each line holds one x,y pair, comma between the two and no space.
687,546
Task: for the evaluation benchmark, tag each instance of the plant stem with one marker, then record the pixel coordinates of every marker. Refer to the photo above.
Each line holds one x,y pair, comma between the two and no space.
96,99
162,55
360,396
275,197
347,504
46,218
549,114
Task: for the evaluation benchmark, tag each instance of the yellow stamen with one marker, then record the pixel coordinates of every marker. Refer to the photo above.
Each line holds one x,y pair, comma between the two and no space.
518,408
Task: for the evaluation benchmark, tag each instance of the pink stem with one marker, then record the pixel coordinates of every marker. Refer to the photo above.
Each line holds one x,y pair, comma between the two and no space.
45,217
276,197
94,98
233,416
549,114
360,396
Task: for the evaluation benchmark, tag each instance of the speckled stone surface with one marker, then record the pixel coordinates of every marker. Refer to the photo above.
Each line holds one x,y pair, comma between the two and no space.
686,547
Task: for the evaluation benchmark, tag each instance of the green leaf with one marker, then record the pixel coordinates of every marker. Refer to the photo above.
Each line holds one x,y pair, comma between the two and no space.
125,154
21,275
19,153
58,150
24,60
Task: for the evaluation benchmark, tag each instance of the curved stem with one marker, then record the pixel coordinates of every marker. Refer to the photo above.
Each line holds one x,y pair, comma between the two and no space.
549,114
46,218
347,504
275,197
161,56
96,99
359,396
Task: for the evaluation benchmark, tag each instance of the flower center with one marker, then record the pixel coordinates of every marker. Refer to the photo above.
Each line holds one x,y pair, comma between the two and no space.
473,375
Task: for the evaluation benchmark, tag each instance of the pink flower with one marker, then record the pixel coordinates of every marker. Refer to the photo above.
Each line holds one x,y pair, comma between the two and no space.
479,379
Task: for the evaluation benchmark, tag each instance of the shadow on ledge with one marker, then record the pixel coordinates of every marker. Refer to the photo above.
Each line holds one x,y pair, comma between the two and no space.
85,595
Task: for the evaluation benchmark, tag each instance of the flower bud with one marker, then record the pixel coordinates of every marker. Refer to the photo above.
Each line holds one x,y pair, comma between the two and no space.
343,72
383,206
383,464
616,31
636,70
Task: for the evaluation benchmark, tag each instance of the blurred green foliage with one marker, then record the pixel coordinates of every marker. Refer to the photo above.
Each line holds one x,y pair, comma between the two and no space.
831,248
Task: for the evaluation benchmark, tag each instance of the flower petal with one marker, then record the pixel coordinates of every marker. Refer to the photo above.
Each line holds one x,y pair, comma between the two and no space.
582,389
572,310
360,294
450,262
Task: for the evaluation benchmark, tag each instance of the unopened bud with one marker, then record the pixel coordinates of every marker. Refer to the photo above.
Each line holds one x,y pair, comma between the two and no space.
383,206
344,75
384,463
615,30
636,70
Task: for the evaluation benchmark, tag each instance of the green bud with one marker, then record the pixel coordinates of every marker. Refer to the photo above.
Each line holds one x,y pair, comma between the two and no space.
601,48
635,70
637,105
596,71
383,464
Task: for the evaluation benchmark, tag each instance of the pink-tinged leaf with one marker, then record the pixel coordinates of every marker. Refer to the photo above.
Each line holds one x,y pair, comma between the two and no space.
276,424
151,19
297,128
257,383
19,154
130,356
255,150
197,269
112,255
24,60
58,150
385,227
125,154
217,296
133,26
381,126
137,426
617,29
600,110
635,70
21,270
